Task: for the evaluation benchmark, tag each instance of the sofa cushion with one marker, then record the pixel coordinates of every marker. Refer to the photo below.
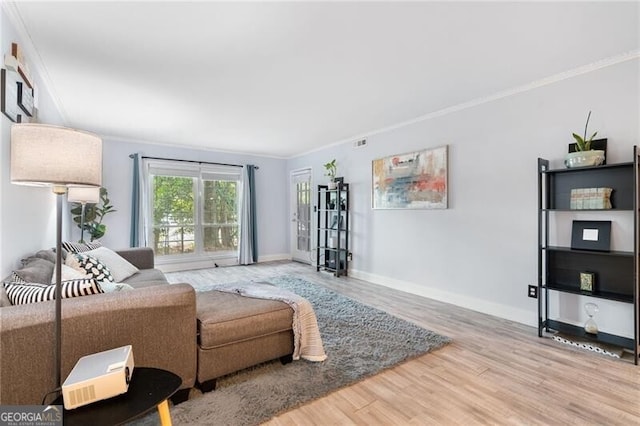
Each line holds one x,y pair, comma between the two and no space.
120,268
146,278
140,257
89,265
109,287
19,293
225,318
35,270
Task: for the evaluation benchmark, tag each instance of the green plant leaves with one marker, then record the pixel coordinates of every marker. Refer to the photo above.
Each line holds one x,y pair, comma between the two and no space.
331,168
93,215
582,143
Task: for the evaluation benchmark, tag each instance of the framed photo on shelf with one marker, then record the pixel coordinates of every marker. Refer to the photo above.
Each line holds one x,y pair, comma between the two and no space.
591,235
587,281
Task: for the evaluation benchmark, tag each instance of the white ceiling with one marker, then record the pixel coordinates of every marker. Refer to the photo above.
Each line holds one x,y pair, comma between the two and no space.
283,79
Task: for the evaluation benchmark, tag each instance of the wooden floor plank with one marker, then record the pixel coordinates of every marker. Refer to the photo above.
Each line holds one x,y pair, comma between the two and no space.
495,371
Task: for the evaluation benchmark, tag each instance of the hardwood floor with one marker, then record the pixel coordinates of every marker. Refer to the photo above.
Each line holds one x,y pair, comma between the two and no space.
494,372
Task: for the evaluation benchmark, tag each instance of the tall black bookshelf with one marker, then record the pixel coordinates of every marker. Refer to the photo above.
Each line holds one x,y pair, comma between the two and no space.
560,267
332,253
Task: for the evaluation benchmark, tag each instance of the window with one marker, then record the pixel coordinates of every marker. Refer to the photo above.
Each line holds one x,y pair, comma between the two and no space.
193,209
220,219
174,219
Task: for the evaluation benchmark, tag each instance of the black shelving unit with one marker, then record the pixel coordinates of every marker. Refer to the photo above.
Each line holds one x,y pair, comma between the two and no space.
559,268
332,210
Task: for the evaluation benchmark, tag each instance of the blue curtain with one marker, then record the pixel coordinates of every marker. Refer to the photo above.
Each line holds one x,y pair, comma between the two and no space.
248,251
251,174
134,236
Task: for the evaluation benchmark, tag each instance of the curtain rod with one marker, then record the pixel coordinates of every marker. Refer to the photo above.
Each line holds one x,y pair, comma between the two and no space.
193,161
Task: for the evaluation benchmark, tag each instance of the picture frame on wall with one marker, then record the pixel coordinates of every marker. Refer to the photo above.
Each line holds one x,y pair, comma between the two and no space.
25,98
592,235
9,98
413,180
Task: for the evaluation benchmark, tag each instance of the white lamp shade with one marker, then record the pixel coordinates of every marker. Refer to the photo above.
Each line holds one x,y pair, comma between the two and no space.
83,194
45,155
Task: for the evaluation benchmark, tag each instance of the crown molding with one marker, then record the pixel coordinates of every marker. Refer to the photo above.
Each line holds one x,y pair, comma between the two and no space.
195,147
575,72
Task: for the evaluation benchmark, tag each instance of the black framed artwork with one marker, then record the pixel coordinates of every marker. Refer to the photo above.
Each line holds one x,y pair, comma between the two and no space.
9,98
25,98
591,235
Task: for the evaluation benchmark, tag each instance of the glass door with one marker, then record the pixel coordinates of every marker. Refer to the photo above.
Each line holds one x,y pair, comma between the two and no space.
301,215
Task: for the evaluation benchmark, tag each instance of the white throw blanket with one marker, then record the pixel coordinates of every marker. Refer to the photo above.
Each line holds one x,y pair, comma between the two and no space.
307,343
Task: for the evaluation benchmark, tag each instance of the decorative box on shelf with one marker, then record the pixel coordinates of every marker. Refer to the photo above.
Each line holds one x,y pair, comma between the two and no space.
590,199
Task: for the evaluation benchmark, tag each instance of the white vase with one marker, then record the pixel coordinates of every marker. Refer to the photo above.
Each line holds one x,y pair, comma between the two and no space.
594,157
333,184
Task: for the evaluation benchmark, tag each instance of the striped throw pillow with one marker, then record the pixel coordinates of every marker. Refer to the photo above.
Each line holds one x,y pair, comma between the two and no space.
20,293
80,247
17,278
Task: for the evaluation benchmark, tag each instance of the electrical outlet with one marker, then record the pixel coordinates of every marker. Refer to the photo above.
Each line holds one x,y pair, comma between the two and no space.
533,291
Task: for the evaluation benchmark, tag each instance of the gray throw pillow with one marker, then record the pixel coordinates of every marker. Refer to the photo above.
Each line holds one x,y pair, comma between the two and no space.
49,255
35,270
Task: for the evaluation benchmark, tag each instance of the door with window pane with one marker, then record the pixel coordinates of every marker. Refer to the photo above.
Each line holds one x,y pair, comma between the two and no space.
301,215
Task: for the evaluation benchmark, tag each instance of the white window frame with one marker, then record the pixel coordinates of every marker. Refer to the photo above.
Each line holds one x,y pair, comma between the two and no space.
200,172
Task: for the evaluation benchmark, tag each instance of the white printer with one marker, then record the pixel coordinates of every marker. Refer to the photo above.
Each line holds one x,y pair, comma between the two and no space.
98,376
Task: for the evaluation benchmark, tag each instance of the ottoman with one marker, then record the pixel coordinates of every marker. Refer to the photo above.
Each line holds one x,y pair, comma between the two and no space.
236,332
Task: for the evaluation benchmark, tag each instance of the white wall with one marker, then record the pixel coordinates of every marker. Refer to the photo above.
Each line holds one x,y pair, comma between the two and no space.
481,252
271,191
27,214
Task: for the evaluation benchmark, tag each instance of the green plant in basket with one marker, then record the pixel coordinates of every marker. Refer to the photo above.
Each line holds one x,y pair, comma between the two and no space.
582,143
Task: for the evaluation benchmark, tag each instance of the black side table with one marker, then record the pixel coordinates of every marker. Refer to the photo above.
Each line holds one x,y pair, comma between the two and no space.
149,388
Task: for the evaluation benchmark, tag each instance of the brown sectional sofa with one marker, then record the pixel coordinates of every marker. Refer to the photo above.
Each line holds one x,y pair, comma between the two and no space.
236,332
225,334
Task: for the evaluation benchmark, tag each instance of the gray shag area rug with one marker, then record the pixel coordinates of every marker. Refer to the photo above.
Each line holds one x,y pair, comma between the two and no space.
360,341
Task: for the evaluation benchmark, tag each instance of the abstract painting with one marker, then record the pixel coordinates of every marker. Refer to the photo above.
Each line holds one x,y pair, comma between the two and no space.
415,180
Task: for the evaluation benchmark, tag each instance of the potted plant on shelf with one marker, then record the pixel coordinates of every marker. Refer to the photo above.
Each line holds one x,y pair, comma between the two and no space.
331,169
584,155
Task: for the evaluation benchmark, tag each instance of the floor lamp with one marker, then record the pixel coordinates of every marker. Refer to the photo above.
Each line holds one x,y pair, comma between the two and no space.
84,196
61,158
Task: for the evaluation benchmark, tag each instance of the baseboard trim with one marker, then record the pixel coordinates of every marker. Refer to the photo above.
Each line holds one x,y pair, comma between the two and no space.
274,257
210,262
486,307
